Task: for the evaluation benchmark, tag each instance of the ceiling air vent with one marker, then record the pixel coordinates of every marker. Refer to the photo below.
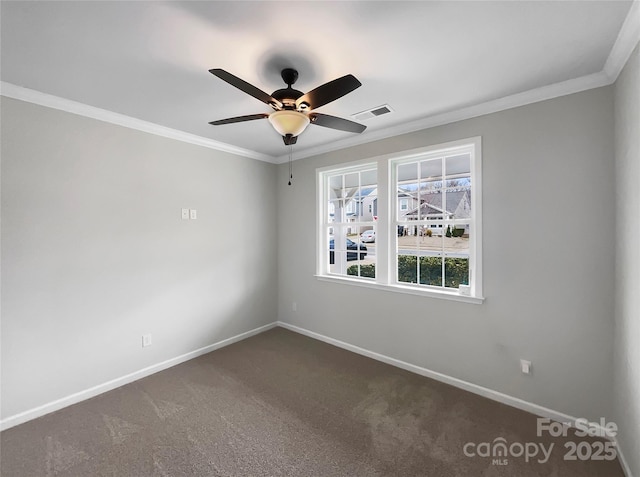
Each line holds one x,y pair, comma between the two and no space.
372,113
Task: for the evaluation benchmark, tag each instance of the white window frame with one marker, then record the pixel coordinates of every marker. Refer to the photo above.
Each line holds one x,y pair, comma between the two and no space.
386,231
322,242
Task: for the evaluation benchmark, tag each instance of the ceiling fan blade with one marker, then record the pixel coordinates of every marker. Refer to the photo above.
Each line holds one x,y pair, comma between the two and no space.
242,85
329,92
334,122
239,119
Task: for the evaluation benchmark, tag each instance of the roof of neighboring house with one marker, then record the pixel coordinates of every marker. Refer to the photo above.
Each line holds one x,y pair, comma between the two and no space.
431,202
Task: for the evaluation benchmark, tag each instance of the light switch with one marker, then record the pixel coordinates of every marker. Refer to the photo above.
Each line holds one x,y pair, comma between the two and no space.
194,215
185,214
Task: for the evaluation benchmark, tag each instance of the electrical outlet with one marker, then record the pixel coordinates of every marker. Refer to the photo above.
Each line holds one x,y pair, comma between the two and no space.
146,340
294,306
185,214
194,214
525,366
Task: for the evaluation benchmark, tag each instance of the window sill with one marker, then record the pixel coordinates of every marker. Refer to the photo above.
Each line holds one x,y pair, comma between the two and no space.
446,295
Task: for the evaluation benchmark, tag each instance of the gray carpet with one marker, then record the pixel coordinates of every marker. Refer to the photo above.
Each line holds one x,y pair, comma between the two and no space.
281,404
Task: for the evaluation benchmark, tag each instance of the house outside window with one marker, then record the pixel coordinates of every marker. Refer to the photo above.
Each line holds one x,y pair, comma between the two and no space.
427,205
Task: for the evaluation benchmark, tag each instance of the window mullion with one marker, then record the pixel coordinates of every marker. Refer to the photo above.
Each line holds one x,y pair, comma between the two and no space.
384,240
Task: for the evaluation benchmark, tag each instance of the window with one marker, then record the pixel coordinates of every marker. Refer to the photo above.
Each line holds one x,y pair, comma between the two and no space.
343,192
427,222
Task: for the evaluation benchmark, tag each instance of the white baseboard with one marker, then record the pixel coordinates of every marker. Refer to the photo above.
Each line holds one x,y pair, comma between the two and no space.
459,383
39,411
512,401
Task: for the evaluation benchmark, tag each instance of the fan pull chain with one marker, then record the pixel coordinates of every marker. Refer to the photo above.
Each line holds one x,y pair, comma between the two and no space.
290,163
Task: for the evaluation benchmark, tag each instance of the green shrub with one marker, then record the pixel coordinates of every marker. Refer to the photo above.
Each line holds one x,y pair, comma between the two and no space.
457,232
407,268
366,271
448,232
456,270
430,270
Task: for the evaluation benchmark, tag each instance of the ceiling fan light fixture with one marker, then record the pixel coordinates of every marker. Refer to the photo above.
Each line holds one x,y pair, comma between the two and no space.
289,122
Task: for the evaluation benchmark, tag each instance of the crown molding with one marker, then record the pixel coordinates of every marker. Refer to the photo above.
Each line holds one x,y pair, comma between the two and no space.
628,38
543,93
43,99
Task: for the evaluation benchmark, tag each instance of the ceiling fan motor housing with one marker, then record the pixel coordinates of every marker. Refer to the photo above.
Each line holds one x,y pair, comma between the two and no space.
287,96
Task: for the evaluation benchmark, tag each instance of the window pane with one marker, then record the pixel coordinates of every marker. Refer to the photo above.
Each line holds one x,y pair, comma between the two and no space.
338,243
335,187
337,259
431,205
369,206
362,260
407,191
407,244
456,240
351,181
458,186
350,209
358,207
458,165
430,189
362,270
368,234
369,178
458,201
407,268
431,270
456,248
431,174
333,210
459,182
430,239
456,272
345,251
339,212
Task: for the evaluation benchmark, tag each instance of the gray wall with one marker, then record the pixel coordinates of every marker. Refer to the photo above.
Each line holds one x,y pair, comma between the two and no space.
548,261
95,254
627,279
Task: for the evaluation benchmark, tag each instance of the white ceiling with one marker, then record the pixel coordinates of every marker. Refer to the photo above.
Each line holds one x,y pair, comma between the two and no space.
427,60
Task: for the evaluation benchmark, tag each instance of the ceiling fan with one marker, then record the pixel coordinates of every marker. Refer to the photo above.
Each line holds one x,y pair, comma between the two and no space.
292,108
